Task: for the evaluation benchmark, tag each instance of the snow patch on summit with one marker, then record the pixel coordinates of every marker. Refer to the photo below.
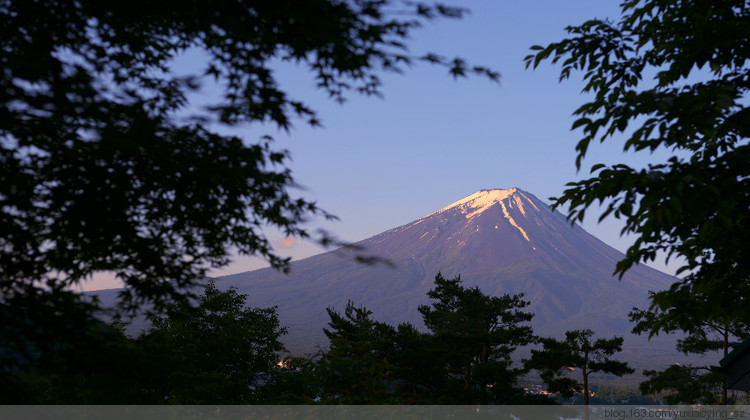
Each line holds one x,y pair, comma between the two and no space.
482,200
478,202
474,204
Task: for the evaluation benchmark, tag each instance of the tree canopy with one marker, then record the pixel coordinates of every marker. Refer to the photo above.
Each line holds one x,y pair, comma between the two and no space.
105,165
464,359
217,350
357,368
579,350
669,75
478,334
214,350
691,383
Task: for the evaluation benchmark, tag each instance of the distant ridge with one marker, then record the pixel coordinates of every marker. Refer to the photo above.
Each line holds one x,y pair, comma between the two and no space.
502,240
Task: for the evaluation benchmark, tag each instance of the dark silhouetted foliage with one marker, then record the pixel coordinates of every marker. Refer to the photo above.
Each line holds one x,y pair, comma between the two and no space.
465,358
214,351
357,368
686,383
102,169
217,351
106,166
670,75
477,335
110,369
579,350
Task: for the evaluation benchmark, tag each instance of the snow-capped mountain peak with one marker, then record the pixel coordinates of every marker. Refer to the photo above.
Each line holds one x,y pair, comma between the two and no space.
475,204
501,240
480,201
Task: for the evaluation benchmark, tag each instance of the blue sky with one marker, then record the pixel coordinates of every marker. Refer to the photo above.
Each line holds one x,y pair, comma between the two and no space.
431,140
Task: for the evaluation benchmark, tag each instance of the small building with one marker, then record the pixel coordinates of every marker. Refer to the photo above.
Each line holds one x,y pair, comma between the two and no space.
736,365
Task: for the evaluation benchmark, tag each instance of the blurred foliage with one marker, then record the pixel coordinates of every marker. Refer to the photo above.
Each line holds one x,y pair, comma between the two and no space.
670,75
105,165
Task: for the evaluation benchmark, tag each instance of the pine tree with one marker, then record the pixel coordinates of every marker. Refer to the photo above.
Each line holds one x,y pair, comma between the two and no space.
477,335
578,350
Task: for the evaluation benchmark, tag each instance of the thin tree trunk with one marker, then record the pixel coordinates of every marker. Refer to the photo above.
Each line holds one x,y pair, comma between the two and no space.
724,390
585,387
483,400
586,393
467,379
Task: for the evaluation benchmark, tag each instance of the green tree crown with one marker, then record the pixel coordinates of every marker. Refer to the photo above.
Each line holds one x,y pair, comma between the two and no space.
669,75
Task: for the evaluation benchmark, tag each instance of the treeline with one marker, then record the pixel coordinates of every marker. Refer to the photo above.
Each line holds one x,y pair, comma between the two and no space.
217,351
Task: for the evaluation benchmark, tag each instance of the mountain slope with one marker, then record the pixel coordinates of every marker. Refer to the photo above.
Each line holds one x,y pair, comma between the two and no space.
504,241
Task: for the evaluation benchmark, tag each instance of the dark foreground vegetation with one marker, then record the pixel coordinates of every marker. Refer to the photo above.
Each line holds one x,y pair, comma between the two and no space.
216,351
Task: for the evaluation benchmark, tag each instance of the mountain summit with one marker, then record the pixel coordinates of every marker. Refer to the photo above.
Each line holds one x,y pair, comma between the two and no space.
502,240
498,229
